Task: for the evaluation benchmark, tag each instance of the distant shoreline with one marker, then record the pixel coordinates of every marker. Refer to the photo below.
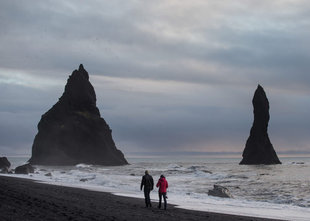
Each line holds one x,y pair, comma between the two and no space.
29,200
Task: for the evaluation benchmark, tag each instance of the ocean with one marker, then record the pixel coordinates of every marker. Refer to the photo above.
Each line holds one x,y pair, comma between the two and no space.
271,191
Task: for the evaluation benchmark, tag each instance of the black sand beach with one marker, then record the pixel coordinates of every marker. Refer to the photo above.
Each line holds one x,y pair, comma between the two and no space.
22,199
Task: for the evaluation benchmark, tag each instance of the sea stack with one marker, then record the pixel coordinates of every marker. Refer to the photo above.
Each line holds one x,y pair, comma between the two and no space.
258,148
73,131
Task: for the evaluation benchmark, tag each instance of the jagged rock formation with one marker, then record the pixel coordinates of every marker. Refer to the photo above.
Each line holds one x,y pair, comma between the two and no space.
258,148
73,132
24,169
4,165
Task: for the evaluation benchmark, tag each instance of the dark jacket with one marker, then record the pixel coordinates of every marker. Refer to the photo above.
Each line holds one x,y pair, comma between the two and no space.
147,182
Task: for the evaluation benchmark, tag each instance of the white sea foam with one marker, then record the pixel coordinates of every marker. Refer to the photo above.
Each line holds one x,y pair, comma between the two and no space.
82,165
275,191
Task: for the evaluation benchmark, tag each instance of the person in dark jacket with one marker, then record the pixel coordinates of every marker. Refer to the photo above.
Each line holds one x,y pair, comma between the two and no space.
162,191
148,183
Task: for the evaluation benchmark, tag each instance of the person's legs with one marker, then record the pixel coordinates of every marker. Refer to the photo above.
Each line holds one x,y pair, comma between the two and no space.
165,200
159,205
147,197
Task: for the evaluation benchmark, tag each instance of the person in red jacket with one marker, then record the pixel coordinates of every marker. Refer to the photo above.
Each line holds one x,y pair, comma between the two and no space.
162,191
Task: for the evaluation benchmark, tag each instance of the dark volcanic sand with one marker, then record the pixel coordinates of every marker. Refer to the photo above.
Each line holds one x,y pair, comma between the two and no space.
22,199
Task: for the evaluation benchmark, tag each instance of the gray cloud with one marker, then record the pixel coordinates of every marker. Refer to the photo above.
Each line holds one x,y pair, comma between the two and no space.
174,75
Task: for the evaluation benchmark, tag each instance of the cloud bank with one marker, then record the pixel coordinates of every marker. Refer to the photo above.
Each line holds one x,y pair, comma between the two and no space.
169,75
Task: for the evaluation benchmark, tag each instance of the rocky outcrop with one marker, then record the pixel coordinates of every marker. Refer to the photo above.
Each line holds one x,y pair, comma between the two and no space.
220,191
258,148
73,131
4,165
48,174
24,169
4,162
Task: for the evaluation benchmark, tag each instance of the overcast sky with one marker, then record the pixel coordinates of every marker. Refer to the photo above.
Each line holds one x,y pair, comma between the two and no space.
170,75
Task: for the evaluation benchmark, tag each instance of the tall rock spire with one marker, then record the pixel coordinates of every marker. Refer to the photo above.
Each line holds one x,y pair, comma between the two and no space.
258,148
73,132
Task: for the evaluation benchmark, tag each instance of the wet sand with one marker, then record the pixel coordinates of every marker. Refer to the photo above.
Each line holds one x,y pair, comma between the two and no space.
23,199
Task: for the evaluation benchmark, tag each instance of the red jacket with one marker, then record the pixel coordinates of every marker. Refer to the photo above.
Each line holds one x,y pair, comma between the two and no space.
162,184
